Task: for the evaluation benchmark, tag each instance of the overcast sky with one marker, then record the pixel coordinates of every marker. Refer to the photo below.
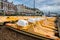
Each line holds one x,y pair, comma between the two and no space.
45,5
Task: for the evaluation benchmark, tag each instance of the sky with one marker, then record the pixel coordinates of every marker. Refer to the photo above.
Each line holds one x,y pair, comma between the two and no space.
44,5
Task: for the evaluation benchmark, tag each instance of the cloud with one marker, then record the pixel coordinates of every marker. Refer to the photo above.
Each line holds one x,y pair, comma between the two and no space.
48,5
51,8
